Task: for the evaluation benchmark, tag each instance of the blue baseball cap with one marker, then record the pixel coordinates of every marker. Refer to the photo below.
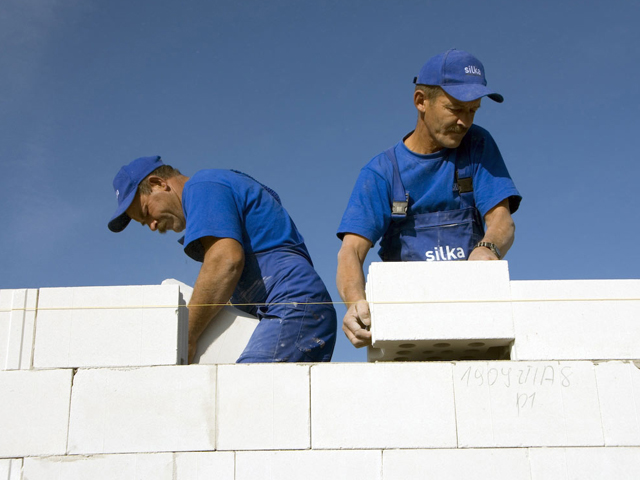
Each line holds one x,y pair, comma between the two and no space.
126,184
458,73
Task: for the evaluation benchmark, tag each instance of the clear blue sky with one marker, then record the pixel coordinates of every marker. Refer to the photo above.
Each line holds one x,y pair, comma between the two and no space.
301,95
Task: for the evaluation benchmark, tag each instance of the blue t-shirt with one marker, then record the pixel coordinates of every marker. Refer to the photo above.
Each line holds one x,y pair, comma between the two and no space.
429,180
277,267
226,204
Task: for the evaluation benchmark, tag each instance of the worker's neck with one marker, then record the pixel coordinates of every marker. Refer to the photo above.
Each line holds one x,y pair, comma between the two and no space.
177,184
421,142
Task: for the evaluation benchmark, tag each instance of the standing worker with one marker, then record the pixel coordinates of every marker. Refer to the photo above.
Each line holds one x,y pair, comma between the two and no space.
250,251
426,197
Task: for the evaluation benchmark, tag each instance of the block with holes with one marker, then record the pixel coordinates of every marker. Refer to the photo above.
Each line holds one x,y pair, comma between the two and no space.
439,311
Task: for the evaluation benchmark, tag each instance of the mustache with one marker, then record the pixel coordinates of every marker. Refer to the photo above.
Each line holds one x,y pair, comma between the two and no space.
457,129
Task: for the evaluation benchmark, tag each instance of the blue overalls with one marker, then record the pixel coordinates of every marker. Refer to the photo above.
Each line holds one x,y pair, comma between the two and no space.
435,236
293,326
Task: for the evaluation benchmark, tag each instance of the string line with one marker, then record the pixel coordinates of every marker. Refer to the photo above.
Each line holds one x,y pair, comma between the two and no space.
295,304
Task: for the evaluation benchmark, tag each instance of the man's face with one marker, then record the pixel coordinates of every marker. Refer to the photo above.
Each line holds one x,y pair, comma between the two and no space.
160,210
447,120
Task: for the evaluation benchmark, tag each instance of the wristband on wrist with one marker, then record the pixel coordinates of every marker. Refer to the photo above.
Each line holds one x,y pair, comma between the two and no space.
490,246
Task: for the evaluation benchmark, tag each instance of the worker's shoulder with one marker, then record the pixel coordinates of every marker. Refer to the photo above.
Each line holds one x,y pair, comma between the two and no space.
476,132
379,165
216,176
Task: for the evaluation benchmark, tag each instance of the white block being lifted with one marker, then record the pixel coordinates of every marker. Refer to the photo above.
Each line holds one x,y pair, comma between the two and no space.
148,409
34,412
110,326
226,336
619,393
527,404
263,407
576,319
382,405
439,310
17,324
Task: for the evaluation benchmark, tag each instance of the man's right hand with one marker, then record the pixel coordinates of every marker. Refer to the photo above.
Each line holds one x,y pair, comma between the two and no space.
356,324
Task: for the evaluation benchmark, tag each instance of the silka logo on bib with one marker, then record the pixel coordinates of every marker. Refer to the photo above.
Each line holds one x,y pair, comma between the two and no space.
445,253
471,70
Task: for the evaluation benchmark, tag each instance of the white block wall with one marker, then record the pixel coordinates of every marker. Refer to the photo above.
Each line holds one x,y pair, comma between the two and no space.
459,310
576,319
109,326
17,327
564,410
156,409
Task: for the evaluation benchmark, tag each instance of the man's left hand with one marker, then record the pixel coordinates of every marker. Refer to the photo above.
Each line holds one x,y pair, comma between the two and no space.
482,253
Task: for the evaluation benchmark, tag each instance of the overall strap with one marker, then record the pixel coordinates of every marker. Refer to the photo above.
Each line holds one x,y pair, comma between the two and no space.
400,195
464,179
270,191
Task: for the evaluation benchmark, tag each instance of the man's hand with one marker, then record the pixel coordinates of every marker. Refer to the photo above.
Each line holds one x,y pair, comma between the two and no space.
356,324
482,253
350,282
221,269
500,231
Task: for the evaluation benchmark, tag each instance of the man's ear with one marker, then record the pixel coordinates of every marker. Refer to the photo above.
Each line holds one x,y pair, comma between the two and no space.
419,100
158,183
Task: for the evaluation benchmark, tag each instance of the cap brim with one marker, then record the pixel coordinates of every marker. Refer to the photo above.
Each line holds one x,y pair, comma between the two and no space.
469,93
120,219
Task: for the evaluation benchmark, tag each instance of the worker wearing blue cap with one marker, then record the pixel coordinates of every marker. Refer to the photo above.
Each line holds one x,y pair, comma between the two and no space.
251,253
429,197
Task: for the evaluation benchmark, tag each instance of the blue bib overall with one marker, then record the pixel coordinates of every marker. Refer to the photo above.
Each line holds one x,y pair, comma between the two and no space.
293,326
435,236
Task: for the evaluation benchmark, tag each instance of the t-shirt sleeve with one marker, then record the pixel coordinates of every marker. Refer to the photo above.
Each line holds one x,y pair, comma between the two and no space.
211,211
368,212
492,182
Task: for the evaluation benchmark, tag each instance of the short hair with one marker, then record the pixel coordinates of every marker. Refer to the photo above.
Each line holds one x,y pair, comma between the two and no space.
163,171
430,91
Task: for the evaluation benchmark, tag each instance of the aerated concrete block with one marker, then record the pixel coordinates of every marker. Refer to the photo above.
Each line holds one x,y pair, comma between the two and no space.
576,319
226,337
101,467
382,405
619,392
142,466
11,469
150,409
17,324
34,413
619,463
439,310
109,326
524,404
263,407
205,466
310,465
456,464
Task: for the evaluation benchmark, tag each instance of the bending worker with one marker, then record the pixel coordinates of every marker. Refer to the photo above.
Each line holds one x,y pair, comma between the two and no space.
250,251
426,197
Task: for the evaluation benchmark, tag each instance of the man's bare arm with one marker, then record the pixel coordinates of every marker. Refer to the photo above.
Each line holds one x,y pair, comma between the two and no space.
500,231
351,284
218,277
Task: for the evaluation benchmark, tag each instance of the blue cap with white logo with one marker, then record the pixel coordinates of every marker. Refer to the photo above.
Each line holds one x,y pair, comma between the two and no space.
126,184
458,73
